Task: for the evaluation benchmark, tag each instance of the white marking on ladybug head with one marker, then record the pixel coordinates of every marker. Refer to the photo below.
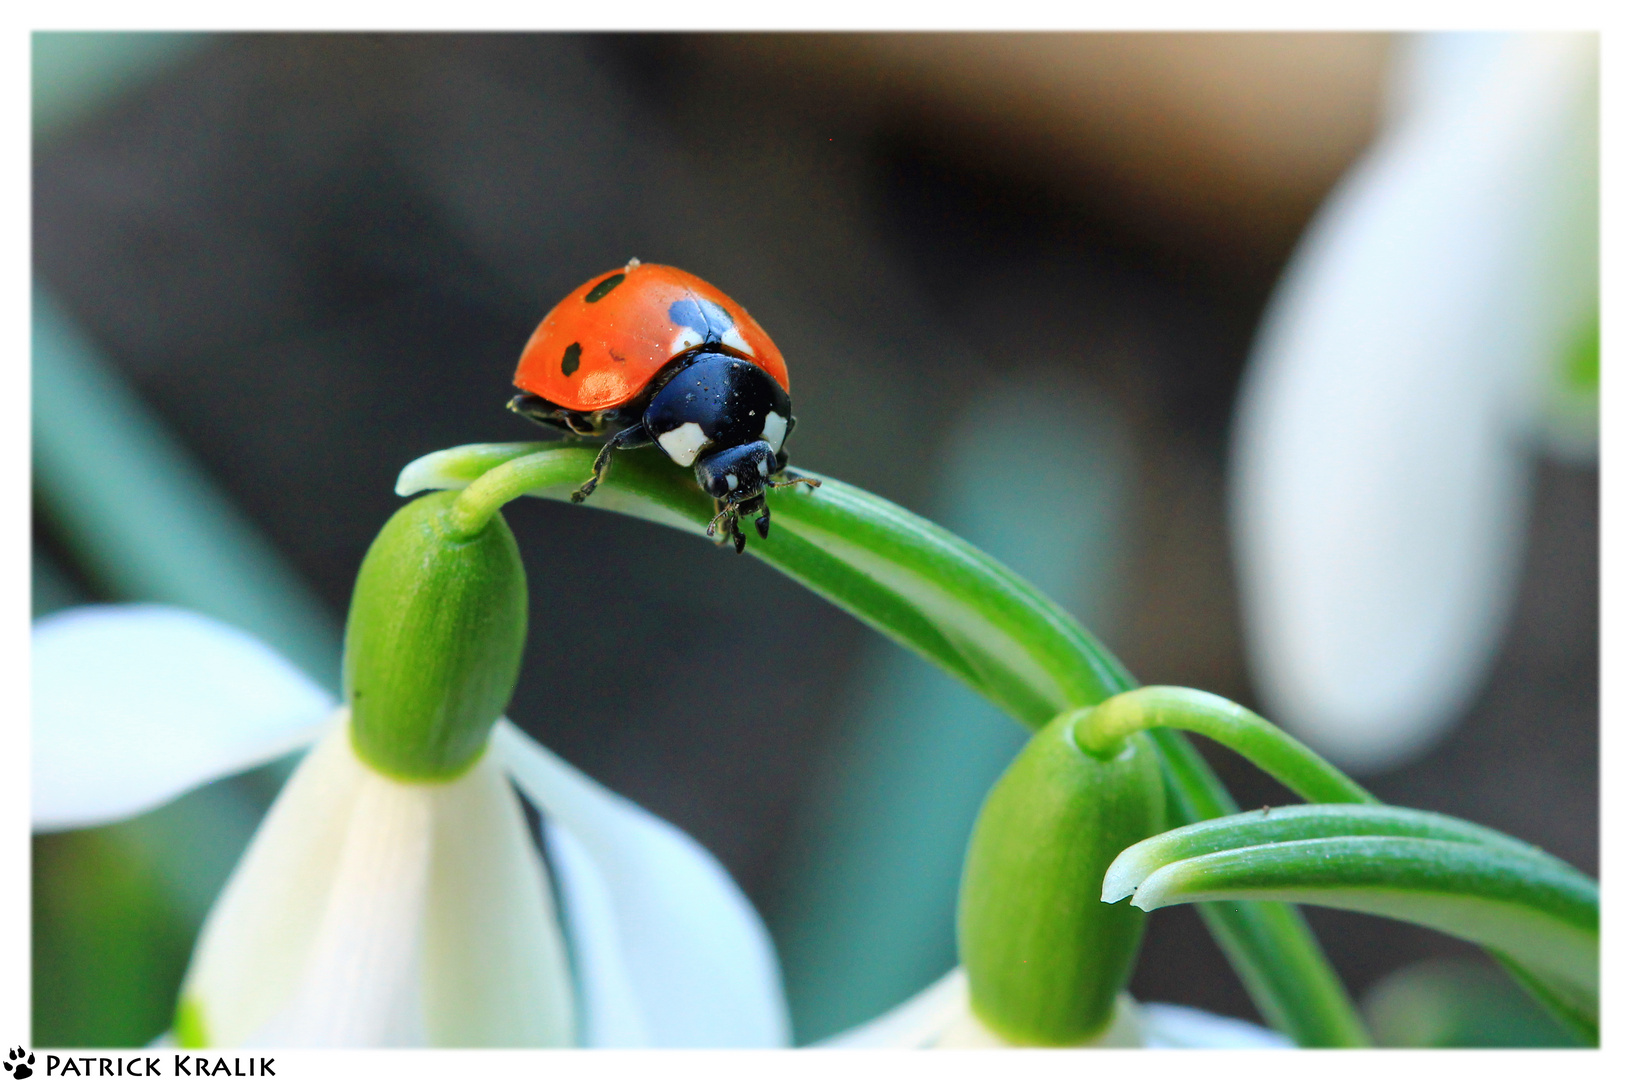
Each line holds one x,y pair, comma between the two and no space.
731,482
684,443
775,430
763,471
688,338
735,340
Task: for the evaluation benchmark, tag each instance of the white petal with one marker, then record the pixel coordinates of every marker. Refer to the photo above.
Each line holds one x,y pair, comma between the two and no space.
613,1012
940,1017
496,971
359,982
370,912
697,958
258,940
135,704
1174,1027
1380,477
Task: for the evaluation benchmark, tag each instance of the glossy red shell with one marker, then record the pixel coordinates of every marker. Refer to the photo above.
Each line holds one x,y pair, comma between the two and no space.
599,353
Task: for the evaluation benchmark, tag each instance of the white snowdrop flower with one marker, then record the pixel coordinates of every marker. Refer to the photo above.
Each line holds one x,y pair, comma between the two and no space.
373,911
1441,311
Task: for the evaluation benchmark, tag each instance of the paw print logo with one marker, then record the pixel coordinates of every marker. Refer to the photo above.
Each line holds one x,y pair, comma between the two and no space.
20,1063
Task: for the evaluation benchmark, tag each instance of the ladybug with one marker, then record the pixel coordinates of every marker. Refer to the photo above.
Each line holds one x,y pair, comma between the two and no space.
652,354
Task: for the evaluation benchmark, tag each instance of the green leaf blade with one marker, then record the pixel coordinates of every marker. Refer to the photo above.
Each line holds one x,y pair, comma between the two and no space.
910,579
1290,823
1531,907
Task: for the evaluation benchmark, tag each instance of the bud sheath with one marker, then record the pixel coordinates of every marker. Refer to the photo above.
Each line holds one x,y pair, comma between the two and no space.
433,641
1046,958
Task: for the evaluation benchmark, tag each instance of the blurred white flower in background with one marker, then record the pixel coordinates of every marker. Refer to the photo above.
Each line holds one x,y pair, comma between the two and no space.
1438,321
368,911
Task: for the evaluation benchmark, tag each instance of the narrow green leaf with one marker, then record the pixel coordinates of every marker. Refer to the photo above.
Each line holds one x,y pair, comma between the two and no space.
1533,908
910,579
1287,823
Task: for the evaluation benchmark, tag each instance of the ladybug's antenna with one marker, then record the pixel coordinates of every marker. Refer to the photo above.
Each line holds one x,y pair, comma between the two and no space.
793,480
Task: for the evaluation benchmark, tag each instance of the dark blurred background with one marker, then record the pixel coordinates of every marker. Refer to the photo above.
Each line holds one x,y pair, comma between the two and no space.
316,257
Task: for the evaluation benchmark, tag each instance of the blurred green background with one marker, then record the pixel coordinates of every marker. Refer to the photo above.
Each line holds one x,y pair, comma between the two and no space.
1015,277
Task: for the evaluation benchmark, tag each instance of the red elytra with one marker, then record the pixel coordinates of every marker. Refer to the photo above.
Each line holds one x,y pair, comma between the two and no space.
599,347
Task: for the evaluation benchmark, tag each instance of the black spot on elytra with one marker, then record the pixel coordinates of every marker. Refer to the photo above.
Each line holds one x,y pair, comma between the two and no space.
570,358
605,286
707,318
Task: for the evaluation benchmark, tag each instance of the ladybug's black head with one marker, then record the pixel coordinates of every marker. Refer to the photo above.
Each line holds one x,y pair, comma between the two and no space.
738,473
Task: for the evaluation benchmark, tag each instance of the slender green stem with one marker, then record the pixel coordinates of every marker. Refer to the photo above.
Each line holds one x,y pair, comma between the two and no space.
512,479
959,608
1103,729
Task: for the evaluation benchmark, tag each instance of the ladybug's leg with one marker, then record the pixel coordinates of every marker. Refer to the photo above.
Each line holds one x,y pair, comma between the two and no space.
628,439
719,523
725,525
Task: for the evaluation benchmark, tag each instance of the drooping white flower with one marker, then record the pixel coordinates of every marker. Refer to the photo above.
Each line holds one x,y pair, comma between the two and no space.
371,911
940,1017
1418,343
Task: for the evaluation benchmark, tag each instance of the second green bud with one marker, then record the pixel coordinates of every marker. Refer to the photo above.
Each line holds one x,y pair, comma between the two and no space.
1045,957
433,641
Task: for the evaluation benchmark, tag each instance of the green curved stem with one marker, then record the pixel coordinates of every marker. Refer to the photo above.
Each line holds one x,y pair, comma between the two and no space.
1103,729
959,608
511,479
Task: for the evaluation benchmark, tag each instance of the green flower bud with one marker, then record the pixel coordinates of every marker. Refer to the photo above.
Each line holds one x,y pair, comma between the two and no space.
1046,958
433,640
